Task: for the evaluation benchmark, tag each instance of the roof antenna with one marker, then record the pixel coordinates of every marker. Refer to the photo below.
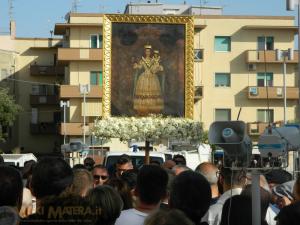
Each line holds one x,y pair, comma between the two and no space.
10,10
75,6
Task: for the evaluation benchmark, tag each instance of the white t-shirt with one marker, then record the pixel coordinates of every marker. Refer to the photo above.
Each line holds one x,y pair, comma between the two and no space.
131,217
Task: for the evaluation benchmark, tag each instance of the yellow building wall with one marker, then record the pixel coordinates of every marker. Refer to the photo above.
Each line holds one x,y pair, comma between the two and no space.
234,62
80,71
80,36
86,19
34,51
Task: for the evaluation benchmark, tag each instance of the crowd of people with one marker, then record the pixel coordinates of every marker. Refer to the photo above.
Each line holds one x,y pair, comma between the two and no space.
51,192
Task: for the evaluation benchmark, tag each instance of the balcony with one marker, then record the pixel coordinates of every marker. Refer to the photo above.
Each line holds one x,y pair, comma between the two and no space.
292,93
72,91
44,100
37,70
254,56
44,128
74,129
257,128
80,54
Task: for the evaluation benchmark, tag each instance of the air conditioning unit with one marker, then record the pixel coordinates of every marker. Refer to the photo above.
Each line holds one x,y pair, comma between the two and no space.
253,91
279,91
251,67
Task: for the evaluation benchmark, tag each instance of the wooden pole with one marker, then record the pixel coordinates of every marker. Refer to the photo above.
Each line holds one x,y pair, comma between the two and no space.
147,153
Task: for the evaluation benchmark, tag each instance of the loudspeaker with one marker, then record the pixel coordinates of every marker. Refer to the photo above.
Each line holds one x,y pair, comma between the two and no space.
232,138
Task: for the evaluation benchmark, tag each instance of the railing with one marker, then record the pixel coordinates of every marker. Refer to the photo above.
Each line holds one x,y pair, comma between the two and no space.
47,70
44,99
72,91
74,129
269,56
80,54
44,128
255,92
257,128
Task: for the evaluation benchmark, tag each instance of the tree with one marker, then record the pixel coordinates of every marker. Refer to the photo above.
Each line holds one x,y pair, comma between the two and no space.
8,112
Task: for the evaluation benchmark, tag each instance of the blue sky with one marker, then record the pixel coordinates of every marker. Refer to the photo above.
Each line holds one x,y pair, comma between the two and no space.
35,18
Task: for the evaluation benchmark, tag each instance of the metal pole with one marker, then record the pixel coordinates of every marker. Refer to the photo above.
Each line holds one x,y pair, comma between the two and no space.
296,154
284,89
84,116
65,129
299,58
256,207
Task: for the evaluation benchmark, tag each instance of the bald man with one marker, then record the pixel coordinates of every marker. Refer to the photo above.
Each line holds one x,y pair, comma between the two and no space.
210,172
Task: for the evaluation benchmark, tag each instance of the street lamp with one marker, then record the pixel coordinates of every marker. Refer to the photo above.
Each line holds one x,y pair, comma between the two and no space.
84,90
290,6
279,55
64,105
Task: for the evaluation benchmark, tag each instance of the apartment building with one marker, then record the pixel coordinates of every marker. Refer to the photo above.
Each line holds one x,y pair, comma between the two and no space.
235,70
33,77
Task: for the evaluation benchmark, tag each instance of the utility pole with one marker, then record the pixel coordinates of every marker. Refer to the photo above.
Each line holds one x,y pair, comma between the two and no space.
84,90
289,54
64,105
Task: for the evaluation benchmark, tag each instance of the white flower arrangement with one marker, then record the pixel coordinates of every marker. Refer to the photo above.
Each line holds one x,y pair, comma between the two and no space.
147,128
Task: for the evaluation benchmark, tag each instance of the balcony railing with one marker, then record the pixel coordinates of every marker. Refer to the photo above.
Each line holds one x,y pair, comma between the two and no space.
74,129
80,54
257,128
255,92
44,128
47,70
72,91
269,56
44,99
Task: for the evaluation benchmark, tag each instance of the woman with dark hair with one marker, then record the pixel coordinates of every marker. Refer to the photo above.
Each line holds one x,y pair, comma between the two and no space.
168,217
108,201
122,188
191,193
237,210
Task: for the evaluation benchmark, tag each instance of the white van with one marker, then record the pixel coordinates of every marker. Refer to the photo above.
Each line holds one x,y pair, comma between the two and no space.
137,158
193,157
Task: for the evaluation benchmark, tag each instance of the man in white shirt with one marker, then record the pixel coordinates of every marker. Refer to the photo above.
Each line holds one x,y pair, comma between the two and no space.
232,182
150,190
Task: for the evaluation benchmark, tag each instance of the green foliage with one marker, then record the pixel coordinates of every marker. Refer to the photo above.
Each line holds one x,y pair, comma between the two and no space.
8,111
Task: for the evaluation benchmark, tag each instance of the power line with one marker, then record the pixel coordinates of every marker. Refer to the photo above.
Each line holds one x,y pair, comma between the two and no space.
39,112
31,82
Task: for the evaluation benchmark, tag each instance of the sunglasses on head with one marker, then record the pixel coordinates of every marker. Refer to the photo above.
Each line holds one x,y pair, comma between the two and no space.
97,177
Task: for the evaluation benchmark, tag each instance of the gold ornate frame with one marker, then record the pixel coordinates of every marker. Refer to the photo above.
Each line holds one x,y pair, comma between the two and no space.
188,21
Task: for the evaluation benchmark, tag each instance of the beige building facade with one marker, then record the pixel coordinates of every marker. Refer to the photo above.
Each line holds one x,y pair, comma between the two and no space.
34,78
235,69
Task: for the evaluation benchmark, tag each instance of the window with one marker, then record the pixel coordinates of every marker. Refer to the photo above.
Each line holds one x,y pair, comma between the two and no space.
263,115
265,43
198,54
222,44
265,79
222,115
96,41
96,78
100,39
222,80
3,74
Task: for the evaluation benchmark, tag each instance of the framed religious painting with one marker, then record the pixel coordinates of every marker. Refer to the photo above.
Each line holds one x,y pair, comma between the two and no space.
148,65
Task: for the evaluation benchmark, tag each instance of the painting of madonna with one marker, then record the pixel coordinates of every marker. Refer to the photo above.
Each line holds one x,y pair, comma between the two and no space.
147,74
